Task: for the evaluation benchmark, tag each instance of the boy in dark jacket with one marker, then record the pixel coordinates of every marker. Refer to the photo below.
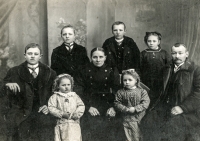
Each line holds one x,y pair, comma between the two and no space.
69,56
122,52
28,87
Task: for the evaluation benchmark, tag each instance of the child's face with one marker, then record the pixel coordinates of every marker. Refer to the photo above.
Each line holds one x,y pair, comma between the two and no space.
118,31
33,55
68,35
98,58
128,81
65,85
153,42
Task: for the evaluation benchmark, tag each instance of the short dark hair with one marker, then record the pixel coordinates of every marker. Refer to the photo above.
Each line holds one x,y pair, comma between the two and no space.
180,44
118,23
152,33
97,49
33,45
68,26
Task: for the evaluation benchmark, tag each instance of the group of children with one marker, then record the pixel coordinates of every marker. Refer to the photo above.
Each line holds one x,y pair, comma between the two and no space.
121,51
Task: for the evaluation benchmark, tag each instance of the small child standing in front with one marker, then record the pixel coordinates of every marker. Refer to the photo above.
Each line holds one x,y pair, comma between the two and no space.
67,107
132,101
153,60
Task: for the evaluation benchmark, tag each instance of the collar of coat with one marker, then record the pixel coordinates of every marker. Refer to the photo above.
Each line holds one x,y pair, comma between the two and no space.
125,42
43,76
66,95
187,66
97,68
151,50
63,50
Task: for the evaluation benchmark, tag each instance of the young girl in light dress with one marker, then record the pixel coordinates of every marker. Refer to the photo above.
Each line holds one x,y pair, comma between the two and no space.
67,107
132,101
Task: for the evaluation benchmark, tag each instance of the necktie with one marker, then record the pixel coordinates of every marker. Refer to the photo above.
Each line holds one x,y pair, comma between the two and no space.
176,69
34,74
69,47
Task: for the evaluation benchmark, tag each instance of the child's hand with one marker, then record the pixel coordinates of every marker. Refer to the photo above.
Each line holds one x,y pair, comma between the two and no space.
131,110
66,115
75,116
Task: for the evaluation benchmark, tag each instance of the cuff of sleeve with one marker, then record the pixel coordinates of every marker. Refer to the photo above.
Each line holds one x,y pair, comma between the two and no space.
124,110
61,114
184,109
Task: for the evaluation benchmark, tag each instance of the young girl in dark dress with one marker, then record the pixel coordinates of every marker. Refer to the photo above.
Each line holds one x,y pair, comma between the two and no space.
153,59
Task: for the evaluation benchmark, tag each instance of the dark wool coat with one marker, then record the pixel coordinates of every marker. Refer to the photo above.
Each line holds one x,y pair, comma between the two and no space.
131,54
63,61
21,103
179,89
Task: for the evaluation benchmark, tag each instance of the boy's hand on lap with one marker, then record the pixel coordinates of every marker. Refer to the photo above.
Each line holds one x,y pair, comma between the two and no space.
14,87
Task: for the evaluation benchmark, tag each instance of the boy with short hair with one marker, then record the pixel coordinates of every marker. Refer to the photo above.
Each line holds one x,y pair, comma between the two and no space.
28,87
69,56
122,52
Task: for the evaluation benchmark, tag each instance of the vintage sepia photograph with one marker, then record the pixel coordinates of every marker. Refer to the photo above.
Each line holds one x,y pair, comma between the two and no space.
99,70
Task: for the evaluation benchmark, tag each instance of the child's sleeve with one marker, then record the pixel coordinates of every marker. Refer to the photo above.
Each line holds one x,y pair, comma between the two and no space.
80,108
144,102
118,103
52,106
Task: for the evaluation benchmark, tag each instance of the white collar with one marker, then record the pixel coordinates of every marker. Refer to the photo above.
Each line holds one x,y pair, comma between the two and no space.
175,66
119,40
33,66
66,95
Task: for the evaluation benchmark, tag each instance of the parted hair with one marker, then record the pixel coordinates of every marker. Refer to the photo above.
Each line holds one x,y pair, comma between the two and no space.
58,80
97,49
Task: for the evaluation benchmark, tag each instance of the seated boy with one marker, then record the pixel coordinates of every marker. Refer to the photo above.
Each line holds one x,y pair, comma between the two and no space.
122,52
28,87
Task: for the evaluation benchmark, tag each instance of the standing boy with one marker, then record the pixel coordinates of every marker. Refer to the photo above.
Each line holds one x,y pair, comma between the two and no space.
28,87
122,52
69,56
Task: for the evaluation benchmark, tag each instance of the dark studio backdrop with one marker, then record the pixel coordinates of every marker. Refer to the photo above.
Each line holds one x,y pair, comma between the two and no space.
40,21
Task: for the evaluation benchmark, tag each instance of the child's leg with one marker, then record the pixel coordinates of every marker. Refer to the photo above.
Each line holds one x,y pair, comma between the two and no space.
132,131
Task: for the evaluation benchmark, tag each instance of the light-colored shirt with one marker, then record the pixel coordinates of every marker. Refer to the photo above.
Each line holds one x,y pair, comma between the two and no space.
176,68
33,66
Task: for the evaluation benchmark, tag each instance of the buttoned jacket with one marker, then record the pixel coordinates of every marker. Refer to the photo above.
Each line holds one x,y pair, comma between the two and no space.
131,53
63,61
